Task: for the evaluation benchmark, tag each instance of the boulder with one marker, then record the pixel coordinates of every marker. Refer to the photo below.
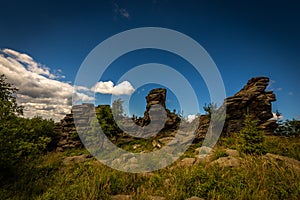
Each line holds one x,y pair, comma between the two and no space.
187,161
227,162
232,152
76,159
121,197
194,198
293,163
156,198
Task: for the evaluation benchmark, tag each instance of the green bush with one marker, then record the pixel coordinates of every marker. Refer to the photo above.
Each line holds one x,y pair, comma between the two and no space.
251,139
106,120
20,138
220,154
288,128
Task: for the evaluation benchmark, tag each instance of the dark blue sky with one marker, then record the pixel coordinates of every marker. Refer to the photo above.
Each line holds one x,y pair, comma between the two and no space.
245,39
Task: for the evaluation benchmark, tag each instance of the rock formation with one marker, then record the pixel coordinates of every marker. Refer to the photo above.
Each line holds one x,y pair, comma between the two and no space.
158,97
66,127
68,134
252,99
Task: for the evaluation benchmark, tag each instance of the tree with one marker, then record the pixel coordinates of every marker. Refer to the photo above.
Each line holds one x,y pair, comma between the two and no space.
288,128
117,108
106,120
20,138
8,103
251,138
210,108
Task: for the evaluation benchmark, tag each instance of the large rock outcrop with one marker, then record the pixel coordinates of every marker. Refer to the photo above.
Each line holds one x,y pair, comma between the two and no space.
68,134
66,127
252,99
155,108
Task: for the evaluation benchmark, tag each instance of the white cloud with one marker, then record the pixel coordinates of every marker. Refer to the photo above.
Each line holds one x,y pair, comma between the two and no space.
32,66
191,118
290,93
38,92
275,117
124,88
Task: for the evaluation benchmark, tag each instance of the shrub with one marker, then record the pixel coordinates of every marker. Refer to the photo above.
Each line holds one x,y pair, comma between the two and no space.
251,139
20,138
288,128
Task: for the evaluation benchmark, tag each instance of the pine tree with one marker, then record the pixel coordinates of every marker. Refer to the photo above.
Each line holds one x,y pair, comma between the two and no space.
251,138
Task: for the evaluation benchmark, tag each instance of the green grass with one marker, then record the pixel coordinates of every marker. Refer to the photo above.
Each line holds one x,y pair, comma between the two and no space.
285,146
256,178
219,153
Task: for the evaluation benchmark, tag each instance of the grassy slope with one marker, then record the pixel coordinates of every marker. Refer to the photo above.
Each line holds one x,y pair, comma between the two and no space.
256,178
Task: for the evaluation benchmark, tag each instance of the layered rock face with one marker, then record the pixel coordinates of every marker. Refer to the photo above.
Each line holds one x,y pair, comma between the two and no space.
252,99
66,127
67,130
156,110
156,114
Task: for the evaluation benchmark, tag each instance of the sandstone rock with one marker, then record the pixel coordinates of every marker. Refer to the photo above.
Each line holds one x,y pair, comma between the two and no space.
158,97
155,143
121,197
67,129
202,128
251,99
166,140
232,152
157,198
136,146
187,161
227,162
203,150
194,198
293,163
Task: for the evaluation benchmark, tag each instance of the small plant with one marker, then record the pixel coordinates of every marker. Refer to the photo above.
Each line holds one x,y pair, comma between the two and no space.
210,108
220,154
251,138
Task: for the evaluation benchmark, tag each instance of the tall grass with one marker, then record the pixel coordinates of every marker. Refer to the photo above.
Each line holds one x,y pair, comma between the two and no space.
256,178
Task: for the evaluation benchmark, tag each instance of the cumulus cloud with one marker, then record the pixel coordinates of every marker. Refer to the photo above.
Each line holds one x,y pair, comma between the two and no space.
32,66
39,92
191,118
124,88
275,117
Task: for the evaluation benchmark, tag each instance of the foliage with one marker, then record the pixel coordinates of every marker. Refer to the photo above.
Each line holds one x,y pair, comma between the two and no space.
288,128
251,138
9,107
285,146
108,125
210,108
20,138
256,178
219,154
